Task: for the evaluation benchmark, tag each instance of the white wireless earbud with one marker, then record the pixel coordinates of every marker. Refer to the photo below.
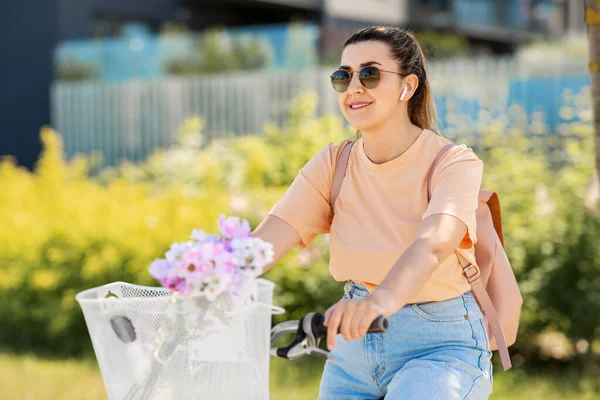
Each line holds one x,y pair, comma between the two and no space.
403,93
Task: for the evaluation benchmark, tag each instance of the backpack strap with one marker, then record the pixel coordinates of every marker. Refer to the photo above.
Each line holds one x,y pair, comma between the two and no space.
491,198
473,275
340,172
481,295
443,151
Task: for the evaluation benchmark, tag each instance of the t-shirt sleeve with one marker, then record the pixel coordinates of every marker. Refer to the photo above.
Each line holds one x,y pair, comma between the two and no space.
455,189
305,204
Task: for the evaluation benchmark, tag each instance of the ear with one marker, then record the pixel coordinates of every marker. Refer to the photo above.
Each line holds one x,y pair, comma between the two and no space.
410,85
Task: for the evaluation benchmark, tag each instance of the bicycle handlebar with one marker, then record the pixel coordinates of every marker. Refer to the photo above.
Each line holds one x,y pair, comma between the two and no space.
380,325
309,330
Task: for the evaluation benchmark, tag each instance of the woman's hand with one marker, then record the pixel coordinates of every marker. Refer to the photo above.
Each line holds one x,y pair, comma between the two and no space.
352,317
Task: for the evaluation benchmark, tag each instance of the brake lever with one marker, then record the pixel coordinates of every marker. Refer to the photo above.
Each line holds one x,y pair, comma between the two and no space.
305,342
311,343
283,328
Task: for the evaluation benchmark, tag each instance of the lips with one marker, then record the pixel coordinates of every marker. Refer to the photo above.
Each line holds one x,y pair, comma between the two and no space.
357,105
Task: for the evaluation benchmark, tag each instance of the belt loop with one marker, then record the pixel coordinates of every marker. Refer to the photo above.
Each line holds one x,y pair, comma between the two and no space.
347,287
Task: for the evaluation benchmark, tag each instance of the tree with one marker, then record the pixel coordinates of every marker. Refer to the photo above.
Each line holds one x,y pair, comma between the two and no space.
592,20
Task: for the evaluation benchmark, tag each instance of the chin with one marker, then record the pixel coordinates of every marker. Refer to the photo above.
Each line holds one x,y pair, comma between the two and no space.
363,125
364,121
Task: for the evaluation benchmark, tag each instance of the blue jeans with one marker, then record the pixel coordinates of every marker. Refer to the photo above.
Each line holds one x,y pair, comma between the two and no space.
436,350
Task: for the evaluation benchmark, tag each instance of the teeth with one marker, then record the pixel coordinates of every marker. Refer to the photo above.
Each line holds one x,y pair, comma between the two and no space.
359,106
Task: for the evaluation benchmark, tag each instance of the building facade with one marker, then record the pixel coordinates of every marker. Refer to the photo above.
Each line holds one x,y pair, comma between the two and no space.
31,30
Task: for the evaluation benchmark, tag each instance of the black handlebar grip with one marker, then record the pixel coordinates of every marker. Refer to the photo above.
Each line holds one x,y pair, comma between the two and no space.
380,325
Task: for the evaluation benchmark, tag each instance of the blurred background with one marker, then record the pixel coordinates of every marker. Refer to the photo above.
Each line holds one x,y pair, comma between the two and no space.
126,124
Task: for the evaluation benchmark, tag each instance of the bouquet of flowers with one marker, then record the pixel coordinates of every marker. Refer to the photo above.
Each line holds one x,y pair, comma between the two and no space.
210,266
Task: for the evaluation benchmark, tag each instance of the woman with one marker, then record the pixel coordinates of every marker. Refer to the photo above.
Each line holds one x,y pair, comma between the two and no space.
395,249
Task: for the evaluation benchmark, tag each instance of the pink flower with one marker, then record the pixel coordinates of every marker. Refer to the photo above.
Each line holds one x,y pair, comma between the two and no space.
233,228
199,261
211,251
192,262
175,284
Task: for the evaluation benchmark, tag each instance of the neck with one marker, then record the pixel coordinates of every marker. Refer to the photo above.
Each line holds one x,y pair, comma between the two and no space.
391,140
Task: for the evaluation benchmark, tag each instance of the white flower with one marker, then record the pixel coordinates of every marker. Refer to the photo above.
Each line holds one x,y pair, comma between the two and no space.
198,235
214,285
177,250
251,255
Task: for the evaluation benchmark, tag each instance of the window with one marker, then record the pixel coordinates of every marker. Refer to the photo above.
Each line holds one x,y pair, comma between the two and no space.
441,5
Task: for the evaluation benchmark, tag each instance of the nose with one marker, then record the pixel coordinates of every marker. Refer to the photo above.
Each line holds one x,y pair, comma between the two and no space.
355,85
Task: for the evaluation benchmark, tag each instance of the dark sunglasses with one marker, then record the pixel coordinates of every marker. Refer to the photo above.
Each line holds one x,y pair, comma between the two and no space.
369,77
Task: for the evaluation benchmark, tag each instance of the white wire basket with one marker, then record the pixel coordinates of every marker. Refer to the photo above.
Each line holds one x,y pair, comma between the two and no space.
152,345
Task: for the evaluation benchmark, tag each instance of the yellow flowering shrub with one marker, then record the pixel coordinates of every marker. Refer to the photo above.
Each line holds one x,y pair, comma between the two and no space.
63,232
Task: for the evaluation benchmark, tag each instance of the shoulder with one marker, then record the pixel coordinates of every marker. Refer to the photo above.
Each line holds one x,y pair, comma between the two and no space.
320,168
329,155
334,150
455,154
460,154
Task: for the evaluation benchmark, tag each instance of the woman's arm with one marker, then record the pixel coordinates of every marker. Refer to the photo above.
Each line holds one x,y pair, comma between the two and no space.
278,232
303,212
438,236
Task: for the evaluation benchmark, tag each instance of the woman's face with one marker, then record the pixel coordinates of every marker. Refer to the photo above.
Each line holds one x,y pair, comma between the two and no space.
365,109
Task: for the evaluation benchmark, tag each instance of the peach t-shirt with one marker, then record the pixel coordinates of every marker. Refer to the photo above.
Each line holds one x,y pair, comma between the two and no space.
380,207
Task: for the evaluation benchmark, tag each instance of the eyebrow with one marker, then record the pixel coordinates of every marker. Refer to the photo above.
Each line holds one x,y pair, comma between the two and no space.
365,64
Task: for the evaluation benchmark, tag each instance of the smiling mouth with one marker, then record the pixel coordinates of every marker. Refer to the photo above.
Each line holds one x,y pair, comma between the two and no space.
359,106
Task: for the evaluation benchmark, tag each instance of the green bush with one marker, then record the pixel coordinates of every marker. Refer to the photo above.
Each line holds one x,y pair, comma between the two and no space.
543,185
73,70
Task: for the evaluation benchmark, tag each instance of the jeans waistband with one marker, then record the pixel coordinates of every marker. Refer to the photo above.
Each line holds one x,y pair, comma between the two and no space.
359,290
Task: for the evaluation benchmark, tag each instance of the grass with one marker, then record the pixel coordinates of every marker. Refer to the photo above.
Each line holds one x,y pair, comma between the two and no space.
32,378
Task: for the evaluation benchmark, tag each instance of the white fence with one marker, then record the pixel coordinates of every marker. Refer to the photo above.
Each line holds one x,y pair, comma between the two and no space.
131,119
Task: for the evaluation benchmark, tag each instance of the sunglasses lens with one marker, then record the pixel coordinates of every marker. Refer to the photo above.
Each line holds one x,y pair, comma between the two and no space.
340,80
369,77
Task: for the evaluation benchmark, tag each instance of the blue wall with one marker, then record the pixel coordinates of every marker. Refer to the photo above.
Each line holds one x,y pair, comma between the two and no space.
545,94
29,32
533,94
